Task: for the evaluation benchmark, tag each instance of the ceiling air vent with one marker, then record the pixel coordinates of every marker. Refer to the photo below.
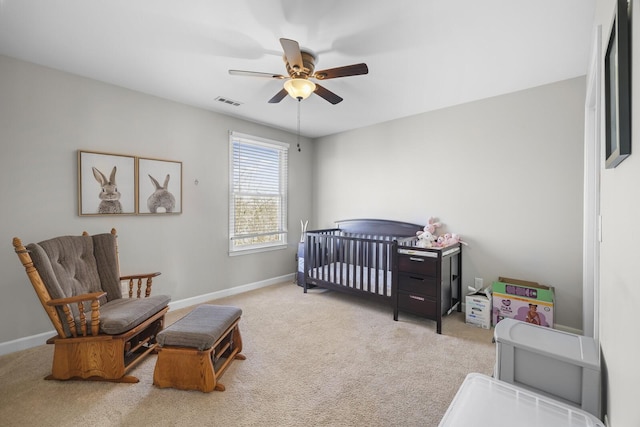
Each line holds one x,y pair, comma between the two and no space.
228,101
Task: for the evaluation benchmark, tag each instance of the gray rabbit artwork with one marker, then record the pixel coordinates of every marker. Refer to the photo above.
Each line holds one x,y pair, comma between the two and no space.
109,195
161,197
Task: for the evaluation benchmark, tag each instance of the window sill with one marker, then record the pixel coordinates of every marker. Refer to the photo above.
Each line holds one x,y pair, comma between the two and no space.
258,250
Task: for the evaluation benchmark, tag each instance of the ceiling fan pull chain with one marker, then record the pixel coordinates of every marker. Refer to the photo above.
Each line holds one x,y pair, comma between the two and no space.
299,101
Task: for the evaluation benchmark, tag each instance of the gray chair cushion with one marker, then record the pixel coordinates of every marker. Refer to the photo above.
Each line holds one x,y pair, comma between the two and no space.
66,265
119,316
68,268
77,265
105,252
201,328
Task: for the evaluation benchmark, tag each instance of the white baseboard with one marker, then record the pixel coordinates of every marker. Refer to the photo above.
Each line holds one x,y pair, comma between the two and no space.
36,340
188,302
26,342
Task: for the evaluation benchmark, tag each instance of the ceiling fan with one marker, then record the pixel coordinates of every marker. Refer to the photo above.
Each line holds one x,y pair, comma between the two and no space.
300,66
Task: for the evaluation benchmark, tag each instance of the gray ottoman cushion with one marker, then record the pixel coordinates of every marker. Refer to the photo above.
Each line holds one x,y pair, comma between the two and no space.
201,328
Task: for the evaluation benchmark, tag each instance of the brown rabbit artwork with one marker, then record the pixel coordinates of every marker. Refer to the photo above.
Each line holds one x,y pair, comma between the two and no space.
161,197
109,195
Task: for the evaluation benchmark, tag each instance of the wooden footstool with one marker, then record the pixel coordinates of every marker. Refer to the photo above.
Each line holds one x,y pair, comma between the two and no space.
190,349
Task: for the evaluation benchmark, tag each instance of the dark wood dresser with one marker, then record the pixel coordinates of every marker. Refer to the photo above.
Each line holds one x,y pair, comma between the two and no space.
426,282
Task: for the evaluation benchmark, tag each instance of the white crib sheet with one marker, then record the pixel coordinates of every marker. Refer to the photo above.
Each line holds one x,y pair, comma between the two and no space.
349,275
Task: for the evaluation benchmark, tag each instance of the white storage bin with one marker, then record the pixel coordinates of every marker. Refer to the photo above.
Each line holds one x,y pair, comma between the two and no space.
558,364
485,401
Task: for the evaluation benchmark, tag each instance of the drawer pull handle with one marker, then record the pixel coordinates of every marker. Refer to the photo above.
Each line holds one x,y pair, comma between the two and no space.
416,259
416,278
416,297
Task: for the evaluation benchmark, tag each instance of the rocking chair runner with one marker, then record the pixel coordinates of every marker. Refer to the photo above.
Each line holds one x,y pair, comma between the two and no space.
101,335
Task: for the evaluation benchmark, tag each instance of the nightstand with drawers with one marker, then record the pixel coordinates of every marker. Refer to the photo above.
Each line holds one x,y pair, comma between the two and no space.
426,281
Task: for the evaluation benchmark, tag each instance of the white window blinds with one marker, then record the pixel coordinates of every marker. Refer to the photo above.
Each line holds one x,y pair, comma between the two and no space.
258,193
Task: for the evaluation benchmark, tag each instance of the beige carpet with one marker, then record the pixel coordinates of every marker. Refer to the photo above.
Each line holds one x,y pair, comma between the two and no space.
321,359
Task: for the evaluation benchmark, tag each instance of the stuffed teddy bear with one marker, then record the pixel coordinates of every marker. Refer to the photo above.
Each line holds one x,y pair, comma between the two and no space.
425,239
449,239
456,239
453,239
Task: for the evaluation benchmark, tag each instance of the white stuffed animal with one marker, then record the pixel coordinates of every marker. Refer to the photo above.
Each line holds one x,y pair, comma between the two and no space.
425,239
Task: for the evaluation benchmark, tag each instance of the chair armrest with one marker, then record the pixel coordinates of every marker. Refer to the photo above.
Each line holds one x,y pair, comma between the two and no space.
80,299
139,277
76,299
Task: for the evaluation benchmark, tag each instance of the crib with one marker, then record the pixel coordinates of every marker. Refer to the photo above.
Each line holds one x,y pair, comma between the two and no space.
355,257
362,256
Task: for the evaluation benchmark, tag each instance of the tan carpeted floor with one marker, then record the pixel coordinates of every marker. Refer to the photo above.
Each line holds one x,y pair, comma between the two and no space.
321,359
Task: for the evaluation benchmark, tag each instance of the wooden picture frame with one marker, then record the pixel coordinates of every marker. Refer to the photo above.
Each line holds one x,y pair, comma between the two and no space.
159,186
617,87
106,184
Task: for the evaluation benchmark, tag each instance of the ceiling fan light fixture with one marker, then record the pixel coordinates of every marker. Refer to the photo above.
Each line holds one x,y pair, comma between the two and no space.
299,88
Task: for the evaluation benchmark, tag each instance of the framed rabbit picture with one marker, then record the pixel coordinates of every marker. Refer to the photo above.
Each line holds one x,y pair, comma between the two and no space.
106,184
159,186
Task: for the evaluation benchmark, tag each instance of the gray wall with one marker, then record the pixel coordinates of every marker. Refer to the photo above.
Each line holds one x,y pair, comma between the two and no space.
46,116
619,266
506,173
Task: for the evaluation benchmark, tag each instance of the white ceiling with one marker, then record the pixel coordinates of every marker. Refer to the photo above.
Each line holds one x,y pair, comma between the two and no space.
422,54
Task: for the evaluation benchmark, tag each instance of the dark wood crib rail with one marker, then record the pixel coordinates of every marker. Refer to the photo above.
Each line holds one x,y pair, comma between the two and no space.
335,259
364,244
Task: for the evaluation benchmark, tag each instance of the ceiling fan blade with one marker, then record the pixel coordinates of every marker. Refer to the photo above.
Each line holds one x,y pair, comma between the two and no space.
278,96
256,74
347,70
292,53
327,94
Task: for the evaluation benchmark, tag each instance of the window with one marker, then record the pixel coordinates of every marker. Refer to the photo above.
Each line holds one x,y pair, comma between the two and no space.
258,193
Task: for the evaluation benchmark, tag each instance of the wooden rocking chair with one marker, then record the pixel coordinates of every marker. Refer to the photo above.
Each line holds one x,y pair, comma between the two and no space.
100,334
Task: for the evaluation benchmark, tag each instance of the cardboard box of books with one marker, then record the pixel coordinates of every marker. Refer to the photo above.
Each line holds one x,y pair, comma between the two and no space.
523,300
